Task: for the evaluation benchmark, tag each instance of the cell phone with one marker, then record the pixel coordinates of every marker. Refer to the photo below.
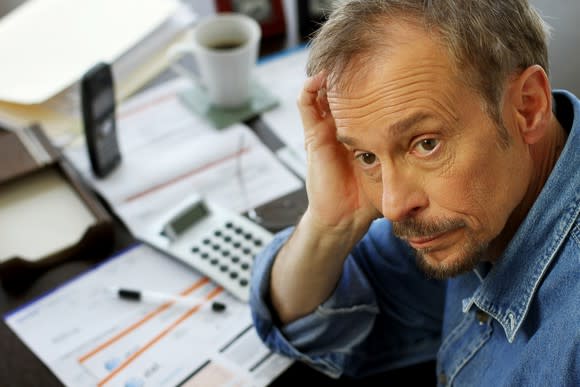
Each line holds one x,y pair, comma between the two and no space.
98,104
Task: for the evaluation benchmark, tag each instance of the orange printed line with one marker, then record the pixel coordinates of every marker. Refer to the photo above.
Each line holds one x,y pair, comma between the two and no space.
146,106
137,324
187,174
156,339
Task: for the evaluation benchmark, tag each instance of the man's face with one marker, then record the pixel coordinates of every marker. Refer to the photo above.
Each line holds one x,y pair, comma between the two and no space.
428,156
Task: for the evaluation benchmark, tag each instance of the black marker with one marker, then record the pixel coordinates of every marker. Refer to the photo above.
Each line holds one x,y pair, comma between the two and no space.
158,297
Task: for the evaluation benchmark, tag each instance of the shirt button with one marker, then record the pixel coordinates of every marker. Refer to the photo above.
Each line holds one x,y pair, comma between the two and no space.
481,316
442,379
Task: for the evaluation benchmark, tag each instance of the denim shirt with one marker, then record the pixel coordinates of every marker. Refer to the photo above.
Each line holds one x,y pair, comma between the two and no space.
514,323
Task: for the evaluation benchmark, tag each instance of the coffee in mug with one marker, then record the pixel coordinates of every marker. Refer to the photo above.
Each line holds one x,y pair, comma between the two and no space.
225,49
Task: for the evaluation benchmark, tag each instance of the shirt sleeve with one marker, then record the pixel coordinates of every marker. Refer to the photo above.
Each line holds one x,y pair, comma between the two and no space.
383,314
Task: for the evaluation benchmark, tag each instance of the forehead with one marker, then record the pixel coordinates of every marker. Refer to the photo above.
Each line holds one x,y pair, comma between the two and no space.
411,75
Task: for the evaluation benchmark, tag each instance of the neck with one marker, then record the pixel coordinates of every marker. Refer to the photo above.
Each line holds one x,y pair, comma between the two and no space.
544,155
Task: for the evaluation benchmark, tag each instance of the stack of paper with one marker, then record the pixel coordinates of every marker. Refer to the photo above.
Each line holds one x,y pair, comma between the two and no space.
47,45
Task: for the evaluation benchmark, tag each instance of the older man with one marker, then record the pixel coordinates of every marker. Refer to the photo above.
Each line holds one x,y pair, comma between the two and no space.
437,116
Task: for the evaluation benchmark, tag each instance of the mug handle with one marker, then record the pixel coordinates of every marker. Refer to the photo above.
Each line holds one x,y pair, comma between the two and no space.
174,53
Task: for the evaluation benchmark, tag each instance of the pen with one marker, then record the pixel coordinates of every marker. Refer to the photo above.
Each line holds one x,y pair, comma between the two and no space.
159,297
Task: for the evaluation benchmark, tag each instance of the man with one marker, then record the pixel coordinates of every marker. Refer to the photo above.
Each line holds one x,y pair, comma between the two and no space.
437,116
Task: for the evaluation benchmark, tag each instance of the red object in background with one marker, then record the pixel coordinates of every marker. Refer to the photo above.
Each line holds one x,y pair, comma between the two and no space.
268,13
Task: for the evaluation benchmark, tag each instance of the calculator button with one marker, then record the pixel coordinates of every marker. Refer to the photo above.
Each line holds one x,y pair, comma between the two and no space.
244,282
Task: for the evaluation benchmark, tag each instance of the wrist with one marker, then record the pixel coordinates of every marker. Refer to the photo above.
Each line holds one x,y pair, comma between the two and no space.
336,236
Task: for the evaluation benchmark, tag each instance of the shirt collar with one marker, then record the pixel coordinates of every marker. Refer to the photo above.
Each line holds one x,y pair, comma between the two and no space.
507,290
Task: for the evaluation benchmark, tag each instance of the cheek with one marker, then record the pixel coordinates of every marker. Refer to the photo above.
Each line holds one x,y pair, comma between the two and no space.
478,189
372,189
466,195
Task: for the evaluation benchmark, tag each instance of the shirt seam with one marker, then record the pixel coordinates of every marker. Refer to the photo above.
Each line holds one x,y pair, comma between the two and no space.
521,308
576,234
484,338
542,270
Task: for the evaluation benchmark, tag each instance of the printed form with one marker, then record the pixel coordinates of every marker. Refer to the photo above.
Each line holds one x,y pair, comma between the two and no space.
169,154
115,342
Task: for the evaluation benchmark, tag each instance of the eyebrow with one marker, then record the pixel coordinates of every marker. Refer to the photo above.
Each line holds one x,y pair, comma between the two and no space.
397,128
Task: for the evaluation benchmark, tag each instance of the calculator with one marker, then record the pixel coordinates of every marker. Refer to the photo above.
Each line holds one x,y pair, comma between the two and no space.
217,242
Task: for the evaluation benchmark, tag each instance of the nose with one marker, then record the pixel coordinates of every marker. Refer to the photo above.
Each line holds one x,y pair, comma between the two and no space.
402,195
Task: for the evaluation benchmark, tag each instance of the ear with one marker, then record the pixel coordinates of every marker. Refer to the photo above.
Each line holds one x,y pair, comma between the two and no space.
531,96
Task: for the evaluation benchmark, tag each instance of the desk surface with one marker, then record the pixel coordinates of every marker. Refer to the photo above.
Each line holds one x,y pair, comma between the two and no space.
19,366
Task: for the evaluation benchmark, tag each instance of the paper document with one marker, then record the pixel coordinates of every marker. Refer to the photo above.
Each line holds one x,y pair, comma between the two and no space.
169,154
114,342
60,115
286,73
47,45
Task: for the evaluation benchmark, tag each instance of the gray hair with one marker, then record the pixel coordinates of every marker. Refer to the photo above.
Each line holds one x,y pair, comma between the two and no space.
487,40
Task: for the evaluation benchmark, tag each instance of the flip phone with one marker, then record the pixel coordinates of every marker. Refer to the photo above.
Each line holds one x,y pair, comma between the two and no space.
98,105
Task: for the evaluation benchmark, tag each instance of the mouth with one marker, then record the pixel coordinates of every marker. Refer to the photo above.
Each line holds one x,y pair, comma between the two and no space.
427,242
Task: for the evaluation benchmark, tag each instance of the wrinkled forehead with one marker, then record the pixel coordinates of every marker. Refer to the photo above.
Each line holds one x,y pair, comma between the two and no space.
414,61
410,50
412,77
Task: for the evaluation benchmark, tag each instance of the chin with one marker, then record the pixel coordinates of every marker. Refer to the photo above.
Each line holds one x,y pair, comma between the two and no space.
443,265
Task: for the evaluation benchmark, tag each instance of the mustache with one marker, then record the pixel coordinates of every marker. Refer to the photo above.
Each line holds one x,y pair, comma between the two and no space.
413,228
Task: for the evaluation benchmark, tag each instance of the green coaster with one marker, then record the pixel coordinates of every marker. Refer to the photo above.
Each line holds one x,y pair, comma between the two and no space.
197,101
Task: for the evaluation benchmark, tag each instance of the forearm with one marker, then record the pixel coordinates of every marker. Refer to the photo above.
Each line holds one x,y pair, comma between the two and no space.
308,267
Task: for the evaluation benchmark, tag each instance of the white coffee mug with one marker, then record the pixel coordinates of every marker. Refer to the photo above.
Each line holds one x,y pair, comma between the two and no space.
225,49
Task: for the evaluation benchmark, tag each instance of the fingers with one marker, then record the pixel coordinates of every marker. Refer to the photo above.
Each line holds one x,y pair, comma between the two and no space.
312,101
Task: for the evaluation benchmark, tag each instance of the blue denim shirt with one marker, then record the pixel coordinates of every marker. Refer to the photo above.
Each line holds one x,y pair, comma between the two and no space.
516,323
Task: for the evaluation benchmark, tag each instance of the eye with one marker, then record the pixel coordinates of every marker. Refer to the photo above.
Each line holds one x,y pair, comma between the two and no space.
367,159
426,146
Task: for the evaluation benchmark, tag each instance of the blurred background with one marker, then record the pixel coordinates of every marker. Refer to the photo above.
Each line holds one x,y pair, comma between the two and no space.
299,18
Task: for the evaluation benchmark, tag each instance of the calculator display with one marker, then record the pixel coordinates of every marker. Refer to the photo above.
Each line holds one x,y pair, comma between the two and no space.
215,241
188,217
